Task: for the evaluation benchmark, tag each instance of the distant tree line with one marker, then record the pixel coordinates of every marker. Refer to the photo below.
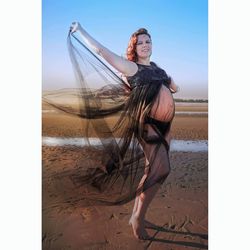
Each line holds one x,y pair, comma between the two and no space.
191,100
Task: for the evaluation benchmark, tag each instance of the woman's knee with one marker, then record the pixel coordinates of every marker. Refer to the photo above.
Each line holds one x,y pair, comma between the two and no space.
164,171
159,175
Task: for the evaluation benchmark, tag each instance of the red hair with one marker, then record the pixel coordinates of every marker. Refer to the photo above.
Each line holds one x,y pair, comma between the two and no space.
131,49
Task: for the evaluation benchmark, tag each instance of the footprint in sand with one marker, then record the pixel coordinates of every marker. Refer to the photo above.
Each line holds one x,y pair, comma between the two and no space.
87,214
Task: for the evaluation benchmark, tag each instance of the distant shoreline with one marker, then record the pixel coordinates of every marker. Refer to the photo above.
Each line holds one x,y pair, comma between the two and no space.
186,100
191,100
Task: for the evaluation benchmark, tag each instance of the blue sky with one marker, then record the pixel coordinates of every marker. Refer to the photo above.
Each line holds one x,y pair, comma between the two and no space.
179,31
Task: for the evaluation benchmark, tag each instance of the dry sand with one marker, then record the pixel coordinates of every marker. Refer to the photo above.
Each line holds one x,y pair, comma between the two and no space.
179,211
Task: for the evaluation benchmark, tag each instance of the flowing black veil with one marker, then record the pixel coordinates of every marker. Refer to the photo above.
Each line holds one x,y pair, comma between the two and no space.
113,176
114,114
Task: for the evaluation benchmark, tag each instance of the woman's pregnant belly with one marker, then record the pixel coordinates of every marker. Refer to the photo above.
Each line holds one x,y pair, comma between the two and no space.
163,107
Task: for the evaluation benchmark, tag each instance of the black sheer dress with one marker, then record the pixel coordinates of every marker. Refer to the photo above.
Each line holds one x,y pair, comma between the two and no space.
127,151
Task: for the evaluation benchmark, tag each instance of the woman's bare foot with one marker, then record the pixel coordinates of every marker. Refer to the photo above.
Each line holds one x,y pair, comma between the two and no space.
138,228
130,220
147,223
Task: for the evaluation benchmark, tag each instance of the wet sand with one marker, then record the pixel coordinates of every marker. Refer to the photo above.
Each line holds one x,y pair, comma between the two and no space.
179,211
186,127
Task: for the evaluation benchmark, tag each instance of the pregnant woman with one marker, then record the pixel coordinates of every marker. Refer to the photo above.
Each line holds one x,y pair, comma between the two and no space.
149,108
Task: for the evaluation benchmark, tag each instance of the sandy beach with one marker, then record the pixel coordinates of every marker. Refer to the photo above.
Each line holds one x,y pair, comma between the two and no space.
179,212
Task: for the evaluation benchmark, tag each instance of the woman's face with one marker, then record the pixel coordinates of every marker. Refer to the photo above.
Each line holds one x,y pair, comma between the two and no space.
143,46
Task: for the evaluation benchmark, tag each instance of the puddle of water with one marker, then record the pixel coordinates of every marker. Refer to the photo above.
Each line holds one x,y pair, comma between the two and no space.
189,146
176,145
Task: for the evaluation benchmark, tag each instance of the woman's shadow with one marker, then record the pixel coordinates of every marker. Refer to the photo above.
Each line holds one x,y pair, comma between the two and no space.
167,229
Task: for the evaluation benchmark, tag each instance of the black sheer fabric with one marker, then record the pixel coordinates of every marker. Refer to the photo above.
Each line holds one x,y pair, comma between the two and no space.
128,159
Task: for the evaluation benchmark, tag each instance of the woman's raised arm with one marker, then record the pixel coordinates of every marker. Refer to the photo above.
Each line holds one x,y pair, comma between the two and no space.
126,67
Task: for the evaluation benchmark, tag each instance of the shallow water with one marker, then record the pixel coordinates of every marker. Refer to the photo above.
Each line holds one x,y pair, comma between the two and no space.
193,113
176,145
195,104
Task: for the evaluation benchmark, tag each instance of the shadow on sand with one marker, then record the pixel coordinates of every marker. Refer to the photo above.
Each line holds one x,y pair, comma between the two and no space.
164,228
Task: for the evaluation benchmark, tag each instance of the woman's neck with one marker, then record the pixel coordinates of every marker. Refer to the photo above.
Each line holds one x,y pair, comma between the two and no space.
144,61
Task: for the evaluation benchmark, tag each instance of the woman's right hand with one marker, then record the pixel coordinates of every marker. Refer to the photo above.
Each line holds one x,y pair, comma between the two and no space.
75,26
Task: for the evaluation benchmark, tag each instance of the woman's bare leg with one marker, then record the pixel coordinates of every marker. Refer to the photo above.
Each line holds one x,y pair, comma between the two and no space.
168,139
139,186
159,169
137,220
146,223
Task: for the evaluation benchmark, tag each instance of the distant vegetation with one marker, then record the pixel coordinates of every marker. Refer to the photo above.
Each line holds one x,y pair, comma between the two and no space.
191,100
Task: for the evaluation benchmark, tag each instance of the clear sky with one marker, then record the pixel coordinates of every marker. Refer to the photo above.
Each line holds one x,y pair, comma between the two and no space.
179,30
